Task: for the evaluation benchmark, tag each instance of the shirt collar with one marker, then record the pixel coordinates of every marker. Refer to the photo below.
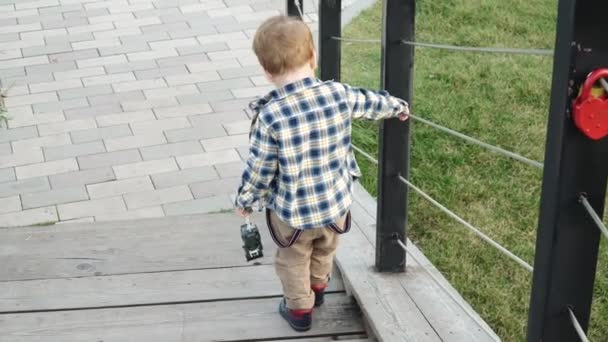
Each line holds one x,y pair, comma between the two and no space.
283,92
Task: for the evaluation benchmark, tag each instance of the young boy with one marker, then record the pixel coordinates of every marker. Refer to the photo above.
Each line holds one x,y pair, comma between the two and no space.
301,165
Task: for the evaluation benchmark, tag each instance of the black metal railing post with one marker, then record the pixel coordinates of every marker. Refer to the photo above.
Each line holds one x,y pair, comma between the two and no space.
397,76
568,240
292,8
330,25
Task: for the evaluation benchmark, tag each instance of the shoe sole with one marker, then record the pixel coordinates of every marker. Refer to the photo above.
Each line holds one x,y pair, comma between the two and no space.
294,327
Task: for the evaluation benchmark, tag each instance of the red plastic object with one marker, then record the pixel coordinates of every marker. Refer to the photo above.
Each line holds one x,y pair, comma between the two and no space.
591,113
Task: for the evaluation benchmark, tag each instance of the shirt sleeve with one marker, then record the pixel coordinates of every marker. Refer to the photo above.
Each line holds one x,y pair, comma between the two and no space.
373,105
261,168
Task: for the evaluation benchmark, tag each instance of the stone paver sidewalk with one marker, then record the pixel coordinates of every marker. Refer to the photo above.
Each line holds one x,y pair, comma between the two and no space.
125,109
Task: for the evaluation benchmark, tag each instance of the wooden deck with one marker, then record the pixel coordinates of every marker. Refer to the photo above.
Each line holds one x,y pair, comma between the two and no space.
186,279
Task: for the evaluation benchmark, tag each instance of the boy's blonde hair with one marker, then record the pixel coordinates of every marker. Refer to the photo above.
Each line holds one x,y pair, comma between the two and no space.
283,44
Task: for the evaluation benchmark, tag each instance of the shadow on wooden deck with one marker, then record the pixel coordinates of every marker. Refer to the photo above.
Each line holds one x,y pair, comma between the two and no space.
186,279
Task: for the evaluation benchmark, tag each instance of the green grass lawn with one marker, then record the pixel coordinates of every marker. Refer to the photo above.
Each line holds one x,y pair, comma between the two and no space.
502,100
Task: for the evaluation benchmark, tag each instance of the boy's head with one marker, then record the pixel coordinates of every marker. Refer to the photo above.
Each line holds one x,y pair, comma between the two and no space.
283,44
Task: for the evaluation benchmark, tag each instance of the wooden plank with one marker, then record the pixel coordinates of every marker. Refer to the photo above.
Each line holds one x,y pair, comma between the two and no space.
146,288
448,318
93,249
230,320
391,313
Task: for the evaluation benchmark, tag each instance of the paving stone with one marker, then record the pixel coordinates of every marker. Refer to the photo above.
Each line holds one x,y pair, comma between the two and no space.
150,103
143,213
29,119
131,8
104,206
53,67
145,37
188,89
260,81
58,106
80,73
201,7
199,206
21,44
122,118
124,49
66,126
213,65
108,159
225,84
239,26
119,187
231,11
218,118
108,79
139,85
83,13
173,43
192,78
91,112
108,60
36,4
180,111
64,23
76,221
7,175
216,187
46,168
84,92
46,33
184,177
21,28
69,38
119,33
231,141
165,27
196,133
229,105
100,133
207,158
173,3
111,18
84,55
230,170
145,168
95,44
116,98
52,197
84,177
90,28
181,60
20,13
30,99
5,148
195,31
205,97
56,85
10,54
238,127
245,93
70,151
12,73
24,80
18,159
243,152
171,150
46,50
18,134
26,145
135,141
24,186
157,197
10,204
240,44
132,66
158,126
30,217
198,49
160,72
159,11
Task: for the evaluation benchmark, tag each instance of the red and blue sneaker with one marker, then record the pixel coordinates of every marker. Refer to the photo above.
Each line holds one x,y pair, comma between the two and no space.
299,320
319,291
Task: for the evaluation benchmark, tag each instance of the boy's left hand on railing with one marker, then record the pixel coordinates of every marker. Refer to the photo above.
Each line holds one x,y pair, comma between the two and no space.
405,114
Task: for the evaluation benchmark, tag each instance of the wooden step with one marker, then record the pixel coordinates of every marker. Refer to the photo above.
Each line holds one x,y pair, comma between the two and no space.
254,319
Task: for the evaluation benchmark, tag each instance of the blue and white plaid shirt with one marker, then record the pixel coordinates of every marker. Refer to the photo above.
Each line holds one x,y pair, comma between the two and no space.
301,162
